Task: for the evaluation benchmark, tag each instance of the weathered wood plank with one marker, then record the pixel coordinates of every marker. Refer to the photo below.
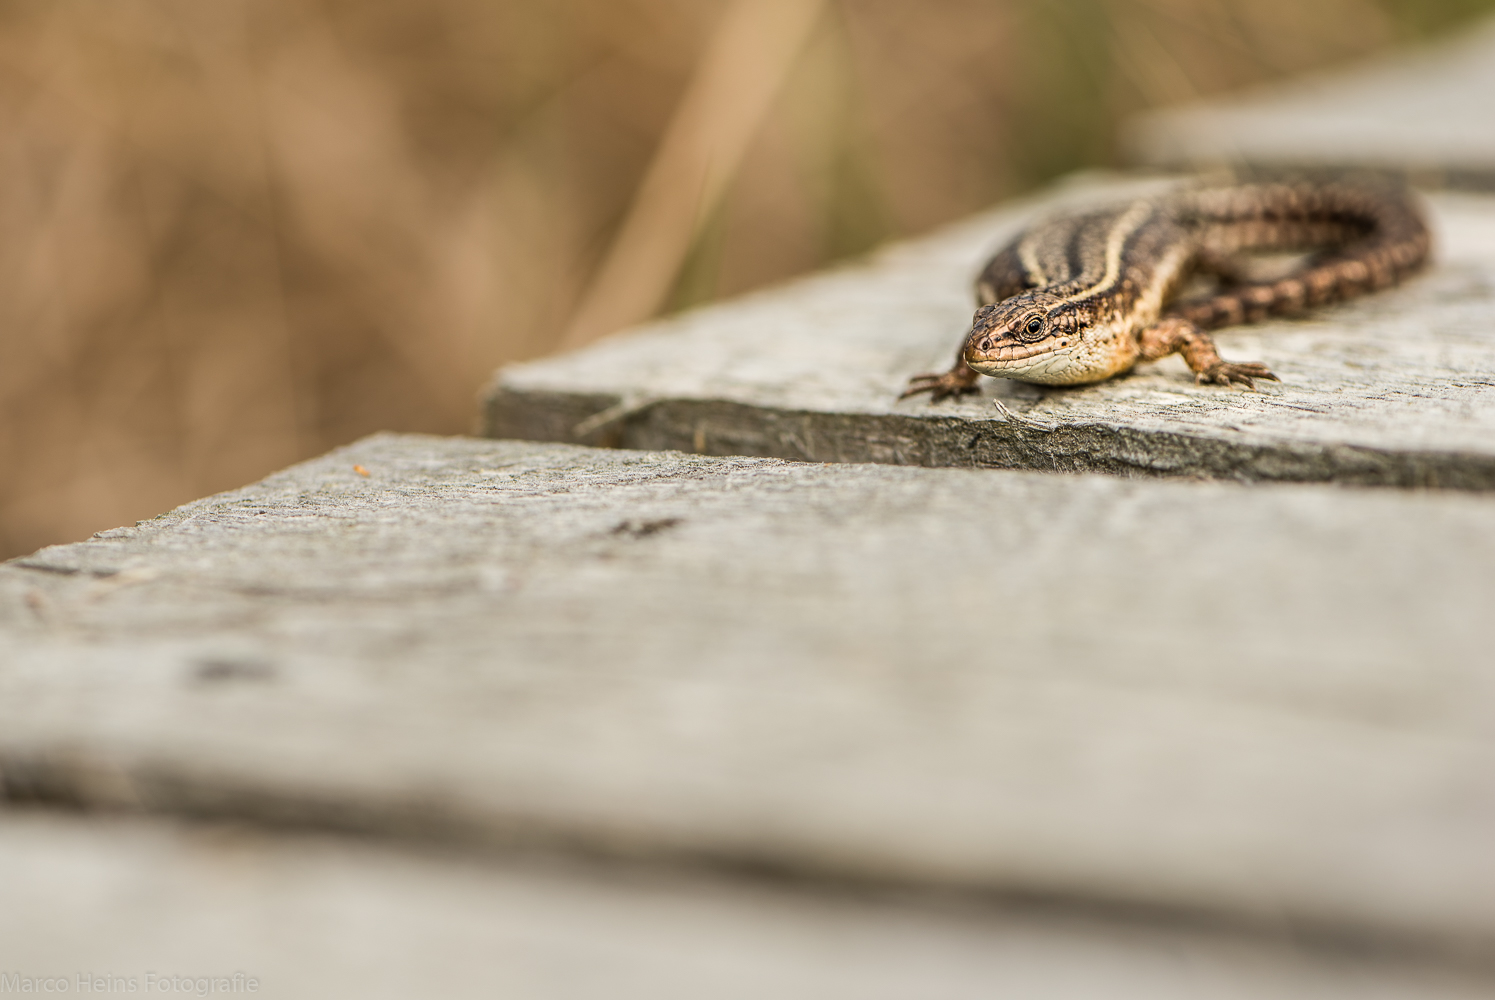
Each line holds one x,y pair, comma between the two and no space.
1426,113
1263,706
107,903
1394,389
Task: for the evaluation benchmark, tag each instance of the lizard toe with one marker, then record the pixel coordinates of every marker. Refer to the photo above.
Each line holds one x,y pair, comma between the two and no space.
1237,373
939,386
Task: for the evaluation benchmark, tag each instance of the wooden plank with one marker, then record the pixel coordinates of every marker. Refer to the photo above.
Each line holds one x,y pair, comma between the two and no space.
1395,389
1426,113
102,904
1258,707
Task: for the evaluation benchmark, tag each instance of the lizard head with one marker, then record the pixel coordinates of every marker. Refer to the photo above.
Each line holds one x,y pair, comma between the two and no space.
1038,337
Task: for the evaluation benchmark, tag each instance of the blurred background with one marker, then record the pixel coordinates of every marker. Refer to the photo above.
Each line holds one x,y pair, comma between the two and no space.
238,233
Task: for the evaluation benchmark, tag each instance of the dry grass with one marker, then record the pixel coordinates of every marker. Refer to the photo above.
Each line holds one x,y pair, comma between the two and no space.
238,233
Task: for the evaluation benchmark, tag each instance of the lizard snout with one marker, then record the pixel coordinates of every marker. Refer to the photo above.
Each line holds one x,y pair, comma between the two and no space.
980,346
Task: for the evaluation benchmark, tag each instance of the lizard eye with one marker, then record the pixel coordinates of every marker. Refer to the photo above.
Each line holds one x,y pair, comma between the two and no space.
1034,325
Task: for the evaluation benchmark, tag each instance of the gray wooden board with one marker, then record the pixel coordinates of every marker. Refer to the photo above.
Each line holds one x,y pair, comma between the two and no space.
106,903
1269,707
1427,112
1394,389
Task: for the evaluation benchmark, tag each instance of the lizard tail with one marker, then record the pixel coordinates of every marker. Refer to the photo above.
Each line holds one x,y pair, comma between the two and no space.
1371,236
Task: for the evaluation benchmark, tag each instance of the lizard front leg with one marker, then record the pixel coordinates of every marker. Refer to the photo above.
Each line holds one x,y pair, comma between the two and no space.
958,381
1176,334
1003,277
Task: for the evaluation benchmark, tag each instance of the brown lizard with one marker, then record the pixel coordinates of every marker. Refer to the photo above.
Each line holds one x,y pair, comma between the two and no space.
1082,297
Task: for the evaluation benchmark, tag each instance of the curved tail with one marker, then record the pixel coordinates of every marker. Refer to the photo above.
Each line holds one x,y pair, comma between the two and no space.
1371,235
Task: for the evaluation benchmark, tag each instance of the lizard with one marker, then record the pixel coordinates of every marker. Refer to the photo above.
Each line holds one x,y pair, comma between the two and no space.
1081,297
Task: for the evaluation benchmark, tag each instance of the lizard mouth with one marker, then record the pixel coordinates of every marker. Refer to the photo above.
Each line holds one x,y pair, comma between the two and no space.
1043,363
1069,359
1003,355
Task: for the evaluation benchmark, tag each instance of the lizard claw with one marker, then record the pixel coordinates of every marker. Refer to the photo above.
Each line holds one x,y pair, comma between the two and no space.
1243,373
939,385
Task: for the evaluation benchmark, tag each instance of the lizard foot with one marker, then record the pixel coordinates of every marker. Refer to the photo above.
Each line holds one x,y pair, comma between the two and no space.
1244,373
940,385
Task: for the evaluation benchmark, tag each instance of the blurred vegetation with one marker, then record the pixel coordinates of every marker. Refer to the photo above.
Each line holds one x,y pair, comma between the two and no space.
238,233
